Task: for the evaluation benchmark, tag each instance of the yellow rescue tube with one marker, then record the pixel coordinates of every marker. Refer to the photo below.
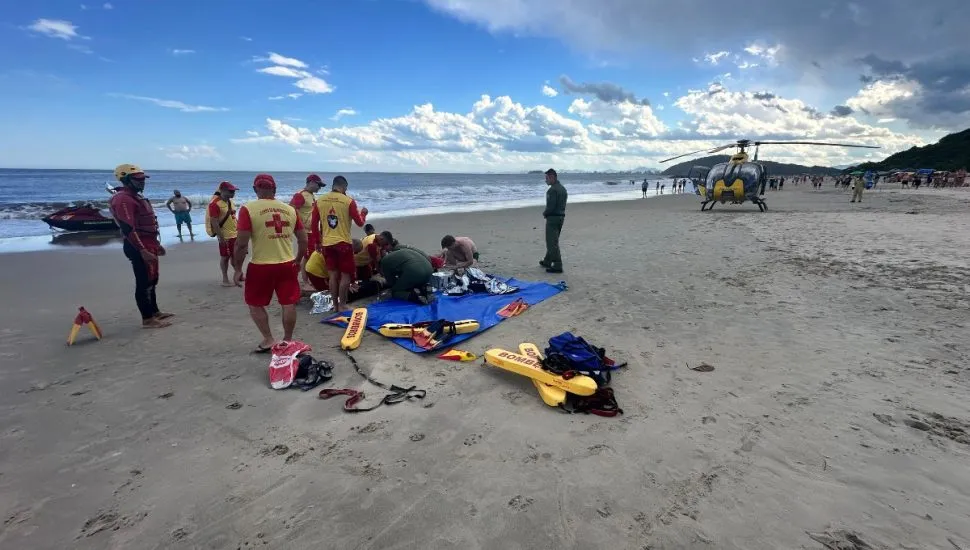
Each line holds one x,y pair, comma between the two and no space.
402,330
550,395
355,329
527,366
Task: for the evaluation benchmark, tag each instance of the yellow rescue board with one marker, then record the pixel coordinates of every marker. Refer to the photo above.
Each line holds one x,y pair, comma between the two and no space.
526,366
355,329
550,395
401,330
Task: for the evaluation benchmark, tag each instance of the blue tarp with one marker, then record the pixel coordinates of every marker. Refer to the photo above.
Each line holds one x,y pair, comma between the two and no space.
480,307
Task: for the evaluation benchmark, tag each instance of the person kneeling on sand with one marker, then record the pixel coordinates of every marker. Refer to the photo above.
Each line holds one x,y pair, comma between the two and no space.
458,252
408,273
270,224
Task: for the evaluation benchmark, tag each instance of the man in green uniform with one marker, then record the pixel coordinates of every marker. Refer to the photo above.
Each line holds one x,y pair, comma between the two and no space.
555,214
407,272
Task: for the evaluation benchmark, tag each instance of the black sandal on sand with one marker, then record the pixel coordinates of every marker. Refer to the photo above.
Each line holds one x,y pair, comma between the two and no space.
261,349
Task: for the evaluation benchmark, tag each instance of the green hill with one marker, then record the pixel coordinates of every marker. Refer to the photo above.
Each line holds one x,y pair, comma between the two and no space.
774,168
952,152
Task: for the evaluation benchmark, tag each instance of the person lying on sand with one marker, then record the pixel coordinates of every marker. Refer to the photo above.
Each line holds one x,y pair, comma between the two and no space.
319,277
458,252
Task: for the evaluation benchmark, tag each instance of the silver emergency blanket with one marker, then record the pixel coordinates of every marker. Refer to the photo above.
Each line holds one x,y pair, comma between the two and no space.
322,302
473,280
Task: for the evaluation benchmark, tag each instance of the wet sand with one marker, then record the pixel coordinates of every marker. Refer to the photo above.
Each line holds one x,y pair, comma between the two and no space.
838,402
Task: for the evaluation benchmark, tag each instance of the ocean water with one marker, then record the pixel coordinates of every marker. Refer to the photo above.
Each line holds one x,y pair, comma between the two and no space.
27,195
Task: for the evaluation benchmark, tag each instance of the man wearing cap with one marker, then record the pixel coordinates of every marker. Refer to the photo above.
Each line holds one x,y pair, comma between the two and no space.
303,202
555,214
222,220
181,207
136,218
270,225
330,231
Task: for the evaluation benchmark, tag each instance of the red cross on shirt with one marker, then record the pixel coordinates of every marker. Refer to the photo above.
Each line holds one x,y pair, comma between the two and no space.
279,223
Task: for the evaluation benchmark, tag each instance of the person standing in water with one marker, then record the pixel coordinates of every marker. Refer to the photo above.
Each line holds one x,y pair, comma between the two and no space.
139,226
303,202
181,206
644,188
555,215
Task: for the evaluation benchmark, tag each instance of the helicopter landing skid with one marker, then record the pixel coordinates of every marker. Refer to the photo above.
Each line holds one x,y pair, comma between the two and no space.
707,206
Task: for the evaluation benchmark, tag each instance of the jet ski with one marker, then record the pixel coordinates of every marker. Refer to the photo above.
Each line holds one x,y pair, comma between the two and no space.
80,218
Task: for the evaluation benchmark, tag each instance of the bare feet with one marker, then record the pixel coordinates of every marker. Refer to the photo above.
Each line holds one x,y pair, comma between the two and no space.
227,284
162,315
155,323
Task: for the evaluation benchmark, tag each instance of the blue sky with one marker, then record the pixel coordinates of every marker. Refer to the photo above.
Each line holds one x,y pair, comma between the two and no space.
462,85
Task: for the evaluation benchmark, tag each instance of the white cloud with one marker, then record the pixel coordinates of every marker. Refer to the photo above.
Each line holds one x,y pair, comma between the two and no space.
723,114
172,104
291,96
246,38
277,59
768,53
342,113
56,28
886,120
746,65
314,85
83,7
622,120
881,97
107,6
304,151
498,133
278,70
182,52
549,91
191,152
715,58
289,67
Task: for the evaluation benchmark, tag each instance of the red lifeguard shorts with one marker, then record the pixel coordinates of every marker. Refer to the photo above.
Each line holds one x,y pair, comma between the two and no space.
227,247
340,258
262,280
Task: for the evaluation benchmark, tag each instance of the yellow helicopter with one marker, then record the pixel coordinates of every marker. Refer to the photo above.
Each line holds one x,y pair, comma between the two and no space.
739,180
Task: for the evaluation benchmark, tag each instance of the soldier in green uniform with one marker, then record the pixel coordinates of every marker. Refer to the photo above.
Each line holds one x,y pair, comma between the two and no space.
555,214
408,272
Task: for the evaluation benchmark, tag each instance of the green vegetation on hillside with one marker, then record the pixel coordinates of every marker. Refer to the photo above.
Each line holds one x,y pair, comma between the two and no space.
951,153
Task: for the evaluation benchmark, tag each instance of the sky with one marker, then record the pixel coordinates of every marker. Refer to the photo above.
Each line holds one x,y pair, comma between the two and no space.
472,85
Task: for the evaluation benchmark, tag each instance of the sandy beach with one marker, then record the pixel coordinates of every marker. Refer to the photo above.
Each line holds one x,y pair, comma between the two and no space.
837,408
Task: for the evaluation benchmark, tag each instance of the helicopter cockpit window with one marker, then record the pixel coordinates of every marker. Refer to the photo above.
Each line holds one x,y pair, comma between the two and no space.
748,173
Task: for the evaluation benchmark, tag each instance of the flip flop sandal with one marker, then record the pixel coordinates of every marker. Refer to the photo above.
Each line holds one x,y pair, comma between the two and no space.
261,349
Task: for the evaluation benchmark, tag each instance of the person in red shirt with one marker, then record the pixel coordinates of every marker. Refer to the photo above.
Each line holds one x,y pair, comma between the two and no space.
270,225
303,202
139,226
222,219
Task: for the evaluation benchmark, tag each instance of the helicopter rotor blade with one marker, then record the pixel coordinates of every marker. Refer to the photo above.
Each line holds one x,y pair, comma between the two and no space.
684,155
723,147
815,143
